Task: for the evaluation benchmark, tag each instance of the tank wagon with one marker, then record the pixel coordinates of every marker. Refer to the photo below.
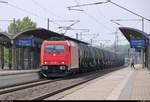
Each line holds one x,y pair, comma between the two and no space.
60,58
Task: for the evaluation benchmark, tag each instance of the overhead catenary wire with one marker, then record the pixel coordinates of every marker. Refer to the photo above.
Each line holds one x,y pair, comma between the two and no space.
112,21
129,11
93,18
71,29
29,12
74,16
127,19
109,1
54,21
24,10
46,9
104,16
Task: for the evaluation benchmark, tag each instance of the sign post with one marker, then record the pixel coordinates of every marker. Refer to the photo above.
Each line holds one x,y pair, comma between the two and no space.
139,43
24,42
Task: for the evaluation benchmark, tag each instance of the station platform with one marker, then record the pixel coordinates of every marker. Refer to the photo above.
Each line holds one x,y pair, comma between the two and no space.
15,77
123,84
15,72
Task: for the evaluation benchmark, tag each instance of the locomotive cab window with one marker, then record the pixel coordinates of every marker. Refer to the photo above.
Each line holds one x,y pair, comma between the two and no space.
54,48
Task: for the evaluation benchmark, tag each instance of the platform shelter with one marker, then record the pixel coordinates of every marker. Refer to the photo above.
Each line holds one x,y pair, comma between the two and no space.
140,41
5,44
24,47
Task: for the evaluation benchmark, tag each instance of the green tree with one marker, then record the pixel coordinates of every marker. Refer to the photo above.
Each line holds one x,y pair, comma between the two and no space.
21,25
6,53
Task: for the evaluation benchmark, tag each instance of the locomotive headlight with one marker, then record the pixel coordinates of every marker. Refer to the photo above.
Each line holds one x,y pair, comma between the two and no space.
62,67
45,67
45,62
62,62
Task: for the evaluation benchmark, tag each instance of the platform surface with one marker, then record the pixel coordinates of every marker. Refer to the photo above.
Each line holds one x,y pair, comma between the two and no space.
13,77
12,72
139,86
123,84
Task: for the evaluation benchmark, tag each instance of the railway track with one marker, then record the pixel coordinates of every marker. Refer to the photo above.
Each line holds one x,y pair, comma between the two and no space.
46,88
60,90
22,86
47,95
9,86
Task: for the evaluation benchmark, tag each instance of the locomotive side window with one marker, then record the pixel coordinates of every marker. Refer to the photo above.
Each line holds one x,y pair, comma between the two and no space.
54,48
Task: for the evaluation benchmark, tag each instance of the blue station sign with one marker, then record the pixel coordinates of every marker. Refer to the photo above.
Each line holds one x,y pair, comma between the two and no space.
138,43
24,42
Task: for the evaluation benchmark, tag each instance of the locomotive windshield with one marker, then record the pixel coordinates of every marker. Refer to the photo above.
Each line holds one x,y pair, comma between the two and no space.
54,48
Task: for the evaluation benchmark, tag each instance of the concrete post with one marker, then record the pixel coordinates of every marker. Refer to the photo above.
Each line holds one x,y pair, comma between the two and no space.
48,23
10,57
148,55
142,57
23,58
29,58
2,56
13,58
77,35
32,58
17,58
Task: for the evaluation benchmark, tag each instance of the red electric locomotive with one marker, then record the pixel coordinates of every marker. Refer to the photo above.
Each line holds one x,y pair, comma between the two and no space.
58,58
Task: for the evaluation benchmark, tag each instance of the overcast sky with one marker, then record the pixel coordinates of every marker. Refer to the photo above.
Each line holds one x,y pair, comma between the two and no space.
95,18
